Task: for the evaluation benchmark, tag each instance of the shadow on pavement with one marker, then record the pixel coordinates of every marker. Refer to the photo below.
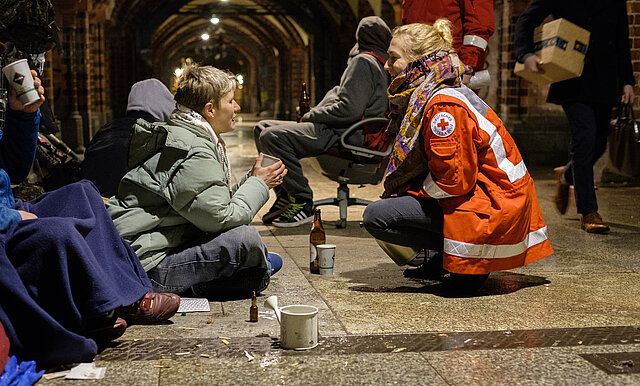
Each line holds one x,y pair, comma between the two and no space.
498,283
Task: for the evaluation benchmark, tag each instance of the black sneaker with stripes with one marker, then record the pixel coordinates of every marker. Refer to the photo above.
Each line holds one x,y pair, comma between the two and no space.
280,205
297,213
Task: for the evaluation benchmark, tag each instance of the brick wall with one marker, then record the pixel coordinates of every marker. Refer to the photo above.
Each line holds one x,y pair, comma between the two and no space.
633,10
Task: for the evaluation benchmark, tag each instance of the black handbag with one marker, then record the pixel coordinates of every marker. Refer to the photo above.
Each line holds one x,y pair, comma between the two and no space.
624,142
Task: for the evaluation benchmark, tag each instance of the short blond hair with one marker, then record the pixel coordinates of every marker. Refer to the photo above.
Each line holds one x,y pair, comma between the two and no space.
423,39
199,85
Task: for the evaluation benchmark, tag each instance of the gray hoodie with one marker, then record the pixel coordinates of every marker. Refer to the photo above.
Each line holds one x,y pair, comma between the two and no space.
363,87
152,96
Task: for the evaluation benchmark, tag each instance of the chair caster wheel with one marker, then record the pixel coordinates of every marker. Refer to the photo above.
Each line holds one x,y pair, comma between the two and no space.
341,224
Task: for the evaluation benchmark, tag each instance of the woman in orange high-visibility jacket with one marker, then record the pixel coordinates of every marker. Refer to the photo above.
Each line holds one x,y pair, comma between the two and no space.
457,183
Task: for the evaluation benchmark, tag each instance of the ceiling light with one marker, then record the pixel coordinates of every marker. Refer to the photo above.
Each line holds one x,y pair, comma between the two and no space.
205,36
214,20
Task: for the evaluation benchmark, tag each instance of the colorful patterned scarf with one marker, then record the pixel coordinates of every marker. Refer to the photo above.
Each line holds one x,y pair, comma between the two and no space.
409,93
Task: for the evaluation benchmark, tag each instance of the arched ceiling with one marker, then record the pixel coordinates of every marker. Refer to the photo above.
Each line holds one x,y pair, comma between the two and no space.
281,41
168,26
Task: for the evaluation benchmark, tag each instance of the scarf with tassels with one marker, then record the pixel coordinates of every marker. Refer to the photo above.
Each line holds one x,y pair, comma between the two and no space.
409,93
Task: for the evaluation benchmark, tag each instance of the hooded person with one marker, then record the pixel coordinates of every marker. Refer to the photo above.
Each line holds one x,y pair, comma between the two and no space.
360,94
105,159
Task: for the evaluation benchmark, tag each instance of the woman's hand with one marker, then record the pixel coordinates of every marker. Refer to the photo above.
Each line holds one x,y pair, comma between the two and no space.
27,215
272,175
16,105
627,94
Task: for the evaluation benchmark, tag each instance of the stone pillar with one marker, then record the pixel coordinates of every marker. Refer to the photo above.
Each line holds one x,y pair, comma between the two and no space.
73,132
83,69
98,76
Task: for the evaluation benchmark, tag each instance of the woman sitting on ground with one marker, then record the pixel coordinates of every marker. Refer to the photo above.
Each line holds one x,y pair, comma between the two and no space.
456,181
186,222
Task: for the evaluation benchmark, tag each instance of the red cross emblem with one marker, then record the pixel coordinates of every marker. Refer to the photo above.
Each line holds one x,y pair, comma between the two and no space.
443,124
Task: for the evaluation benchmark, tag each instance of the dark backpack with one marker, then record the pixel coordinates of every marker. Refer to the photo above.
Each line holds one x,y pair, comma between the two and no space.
29,24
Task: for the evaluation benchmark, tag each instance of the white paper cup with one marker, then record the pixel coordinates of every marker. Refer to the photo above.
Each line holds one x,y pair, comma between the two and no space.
299,327
326,258
19,76
268,160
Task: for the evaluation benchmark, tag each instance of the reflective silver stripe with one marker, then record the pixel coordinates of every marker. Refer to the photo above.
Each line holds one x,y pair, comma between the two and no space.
513,172
475,40
490,251
433,190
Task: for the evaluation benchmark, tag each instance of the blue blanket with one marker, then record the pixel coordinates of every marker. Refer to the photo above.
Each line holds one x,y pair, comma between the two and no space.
60,270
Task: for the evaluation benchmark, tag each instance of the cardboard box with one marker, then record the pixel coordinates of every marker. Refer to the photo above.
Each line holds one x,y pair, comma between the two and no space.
561,47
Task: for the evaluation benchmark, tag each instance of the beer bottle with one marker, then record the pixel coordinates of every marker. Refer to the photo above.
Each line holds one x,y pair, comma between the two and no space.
304,101
253,310
316,237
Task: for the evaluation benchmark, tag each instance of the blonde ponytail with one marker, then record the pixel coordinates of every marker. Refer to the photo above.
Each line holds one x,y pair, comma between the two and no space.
422,39
443,26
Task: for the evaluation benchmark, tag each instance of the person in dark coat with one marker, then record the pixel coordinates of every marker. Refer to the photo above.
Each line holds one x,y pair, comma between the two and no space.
105,159
68,281
587,100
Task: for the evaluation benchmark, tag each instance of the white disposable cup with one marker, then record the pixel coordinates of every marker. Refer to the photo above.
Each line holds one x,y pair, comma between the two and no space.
479,80
268,160
299,327
19,76
326,258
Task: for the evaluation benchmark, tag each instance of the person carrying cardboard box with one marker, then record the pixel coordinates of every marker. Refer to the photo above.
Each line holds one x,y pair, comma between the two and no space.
588,99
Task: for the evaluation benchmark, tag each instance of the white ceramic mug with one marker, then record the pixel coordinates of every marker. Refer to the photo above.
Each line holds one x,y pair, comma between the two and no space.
19,76
326,258
299,327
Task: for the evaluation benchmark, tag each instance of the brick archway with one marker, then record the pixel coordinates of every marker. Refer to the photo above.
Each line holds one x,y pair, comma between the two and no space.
108,45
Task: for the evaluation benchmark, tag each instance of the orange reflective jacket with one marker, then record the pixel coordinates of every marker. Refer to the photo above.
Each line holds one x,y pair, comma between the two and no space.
492,220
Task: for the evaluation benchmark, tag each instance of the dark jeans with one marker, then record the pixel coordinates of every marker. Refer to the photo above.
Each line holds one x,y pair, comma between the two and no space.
589,131
234,260
408,221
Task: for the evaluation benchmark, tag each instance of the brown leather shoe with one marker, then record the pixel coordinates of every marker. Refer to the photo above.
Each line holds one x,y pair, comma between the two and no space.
562,191
593,223
152,308
108,332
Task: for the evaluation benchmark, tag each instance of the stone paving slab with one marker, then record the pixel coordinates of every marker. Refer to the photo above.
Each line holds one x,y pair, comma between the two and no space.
590,281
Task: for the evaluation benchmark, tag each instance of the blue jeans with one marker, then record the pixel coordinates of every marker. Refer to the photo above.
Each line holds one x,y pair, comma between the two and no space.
232,261
407,220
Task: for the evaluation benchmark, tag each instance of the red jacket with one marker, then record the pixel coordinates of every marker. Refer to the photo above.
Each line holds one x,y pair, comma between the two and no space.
492,220
472,22
4,348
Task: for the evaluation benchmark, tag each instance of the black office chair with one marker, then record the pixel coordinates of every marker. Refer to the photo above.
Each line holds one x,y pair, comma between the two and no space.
348,164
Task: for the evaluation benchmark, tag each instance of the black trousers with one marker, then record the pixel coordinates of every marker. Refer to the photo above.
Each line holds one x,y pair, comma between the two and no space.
589,131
